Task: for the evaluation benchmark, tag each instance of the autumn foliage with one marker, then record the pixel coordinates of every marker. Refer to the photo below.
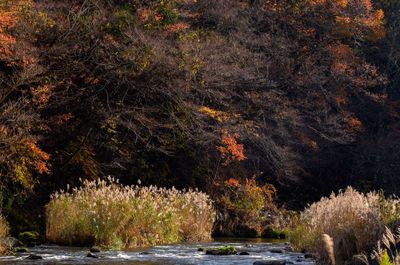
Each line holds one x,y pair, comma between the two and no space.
21,156
301,94
243,204
230,150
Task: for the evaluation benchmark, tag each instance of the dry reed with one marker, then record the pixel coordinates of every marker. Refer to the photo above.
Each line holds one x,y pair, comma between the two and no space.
108,214
4,232
353,220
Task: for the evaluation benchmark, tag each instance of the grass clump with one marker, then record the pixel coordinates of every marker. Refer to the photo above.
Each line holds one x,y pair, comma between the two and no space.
5,246
107,214
353,220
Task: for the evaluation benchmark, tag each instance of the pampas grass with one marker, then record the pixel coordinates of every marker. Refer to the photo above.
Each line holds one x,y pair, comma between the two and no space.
4,232
386,251
108,214
352,219
328,245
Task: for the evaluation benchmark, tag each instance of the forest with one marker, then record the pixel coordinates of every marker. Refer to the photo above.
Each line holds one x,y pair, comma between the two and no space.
245,118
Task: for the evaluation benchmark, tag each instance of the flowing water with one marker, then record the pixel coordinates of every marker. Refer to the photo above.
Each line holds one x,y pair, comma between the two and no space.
184,254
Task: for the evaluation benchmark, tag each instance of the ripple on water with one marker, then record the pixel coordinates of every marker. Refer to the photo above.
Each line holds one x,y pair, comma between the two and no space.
184,254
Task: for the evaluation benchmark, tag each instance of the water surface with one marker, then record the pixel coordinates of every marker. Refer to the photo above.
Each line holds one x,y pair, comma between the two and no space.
183,254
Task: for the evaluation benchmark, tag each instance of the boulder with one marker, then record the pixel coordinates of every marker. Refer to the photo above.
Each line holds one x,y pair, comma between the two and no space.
90,255
222,251
309,256
21,250
288,248
279,251
10,242
244,253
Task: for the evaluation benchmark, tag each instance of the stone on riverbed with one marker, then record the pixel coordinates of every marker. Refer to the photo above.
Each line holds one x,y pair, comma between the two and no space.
278,251
9,242
244,253
90,255
34,257
309,256
21,250
222,251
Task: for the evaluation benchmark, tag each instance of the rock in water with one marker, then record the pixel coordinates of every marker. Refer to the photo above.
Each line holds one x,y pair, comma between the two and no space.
309,256
244,253
214,252
288,249
278,251
270,262
21,250
34,257
222,251
90,255
9,241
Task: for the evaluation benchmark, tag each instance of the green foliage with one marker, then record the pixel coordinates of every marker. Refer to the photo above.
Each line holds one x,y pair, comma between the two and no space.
386,259
228,250
28,237
21,250
167,9
301,237
389,208
270,232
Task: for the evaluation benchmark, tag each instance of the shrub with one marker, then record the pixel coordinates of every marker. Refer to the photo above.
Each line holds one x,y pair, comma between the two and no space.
108,214
242,205
352,219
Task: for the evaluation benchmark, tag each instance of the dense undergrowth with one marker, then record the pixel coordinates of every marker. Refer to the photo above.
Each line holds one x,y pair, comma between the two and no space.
105,213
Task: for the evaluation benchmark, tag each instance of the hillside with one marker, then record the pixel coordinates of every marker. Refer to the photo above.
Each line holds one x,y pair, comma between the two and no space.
207,94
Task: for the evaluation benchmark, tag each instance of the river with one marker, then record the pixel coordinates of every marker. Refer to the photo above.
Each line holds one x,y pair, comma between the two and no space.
182,254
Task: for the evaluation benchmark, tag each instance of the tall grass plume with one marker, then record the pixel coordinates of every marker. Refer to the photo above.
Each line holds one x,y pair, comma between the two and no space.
354,221
108,214
5,245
